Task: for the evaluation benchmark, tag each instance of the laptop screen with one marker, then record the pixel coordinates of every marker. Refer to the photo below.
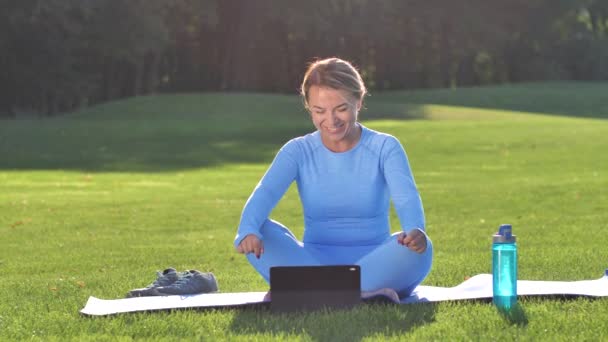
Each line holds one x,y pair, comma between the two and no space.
304,288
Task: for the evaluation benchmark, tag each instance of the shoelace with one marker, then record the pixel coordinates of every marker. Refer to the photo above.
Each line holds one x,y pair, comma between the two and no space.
182,280
161,279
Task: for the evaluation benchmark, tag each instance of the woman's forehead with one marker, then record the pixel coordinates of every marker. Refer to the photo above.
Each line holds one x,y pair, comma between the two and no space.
323,96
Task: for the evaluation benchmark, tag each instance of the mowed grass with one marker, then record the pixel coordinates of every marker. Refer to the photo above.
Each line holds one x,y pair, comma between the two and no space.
95,202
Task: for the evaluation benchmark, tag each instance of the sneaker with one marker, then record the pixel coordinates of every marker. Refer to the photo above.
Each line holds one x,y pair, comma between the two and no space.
164,278
193,282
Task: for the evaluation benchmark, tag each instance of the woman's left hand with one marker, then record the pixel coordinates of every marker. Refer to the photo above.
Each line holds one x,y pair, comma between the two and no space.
415,240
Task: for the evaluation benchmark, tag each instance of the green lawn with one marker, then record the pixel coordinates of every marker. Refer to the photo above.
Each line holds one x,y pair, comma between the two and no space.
93,203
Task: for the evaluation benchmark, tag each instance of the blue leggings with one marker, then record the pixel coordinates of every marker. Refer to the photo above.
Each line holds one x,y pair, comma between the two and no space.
387,265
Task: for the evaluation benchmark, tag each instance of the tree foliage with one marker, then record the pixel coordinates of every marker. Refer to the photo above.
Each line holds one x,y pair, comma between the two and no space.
61,54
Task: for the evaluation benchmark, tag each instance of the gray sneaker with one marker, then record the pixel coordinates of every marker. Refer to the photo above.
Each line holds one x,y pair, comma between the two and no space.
192,282
164,278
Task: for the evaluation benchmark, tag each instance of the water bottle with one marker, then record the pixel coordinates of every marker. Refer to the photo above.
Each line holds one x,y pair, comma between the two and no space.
504,268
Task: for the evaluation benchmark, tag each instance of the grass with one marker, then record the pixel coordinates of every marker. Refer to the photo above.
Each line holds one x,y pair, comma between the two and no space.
95,202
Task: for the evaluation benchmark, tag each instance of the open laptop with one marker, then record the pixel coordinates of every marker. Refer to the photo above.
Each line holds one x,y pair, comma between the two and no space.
307,288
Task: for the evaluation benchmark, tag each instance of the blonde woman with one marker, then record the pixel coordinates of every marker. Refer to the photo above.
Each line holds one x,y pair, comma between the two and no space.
346,175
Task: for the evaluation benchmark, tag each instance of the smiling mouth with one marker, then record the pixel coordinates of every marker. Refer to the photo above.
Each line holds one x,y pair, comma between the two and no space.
335,128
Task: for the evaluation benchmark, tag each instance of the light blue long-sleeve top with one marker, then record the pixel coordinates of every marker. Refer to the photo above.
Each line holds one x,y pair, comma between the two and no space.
345,195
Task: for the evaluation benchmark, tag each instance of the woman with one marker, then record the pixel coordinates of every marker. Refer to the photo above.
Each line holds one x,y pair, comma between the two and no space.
346,174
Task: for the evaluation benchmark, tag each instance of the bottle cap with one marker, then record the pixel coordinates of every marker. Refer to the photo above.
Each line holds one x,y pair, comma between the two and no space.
504,234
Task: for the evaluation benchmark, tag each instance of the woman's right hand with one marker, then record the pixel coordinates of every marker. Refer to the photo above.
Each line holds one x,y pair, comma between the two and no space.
251,244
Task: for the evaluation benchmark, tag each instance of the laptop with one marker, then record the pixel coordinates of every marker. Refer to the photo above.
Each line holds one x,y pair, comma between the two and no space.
309,288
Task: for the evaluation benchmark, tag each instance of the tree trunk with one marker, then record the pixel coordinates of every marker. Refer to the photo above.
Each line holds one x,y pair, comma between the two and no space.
151,74
51,104
445,51
106,92
466,71
229,20
7,101
138,75
240,58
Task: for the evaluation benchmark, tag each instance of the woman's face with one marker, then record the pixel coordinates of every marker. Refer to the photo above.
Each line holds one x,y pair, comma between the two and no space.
334,114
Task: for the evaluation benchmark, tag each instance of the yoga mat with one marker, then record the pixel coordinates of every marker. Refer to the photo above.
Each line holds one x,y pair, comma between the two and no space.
480,287
103,307
477,287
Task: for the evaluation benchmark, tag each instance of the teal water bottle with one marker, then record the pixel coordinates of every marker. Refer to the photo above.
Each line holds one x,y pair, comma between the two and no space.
504,268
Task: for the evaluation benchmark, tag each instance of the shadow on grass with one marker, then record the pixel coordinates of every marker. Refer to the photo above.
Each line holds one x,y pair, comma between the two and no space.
515,315
176,132
150,145
366,321
129,147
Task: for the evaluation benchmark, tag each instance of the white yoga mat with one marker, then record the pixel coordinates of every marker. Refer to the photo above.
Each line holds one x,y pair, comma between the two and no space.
102,307
477,287
480,287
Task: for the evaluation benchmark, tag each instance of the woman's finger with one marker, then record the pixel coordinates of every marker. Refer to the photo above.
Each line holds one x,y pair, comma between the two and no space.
407,239
414,246
421,246
400,238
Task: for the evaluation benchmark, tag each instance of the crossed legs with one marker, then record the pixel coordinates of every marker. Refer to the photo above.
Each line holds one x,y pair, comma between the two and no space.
388,265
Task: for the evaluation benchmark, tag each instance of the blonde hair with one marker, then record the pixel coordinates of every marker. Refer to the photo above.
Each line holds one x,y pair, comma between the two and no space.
333,73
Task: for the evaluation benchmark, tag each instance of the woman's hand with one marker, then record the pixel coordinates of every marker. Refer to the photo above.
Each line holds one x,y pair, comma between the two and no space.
251,244
415,240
